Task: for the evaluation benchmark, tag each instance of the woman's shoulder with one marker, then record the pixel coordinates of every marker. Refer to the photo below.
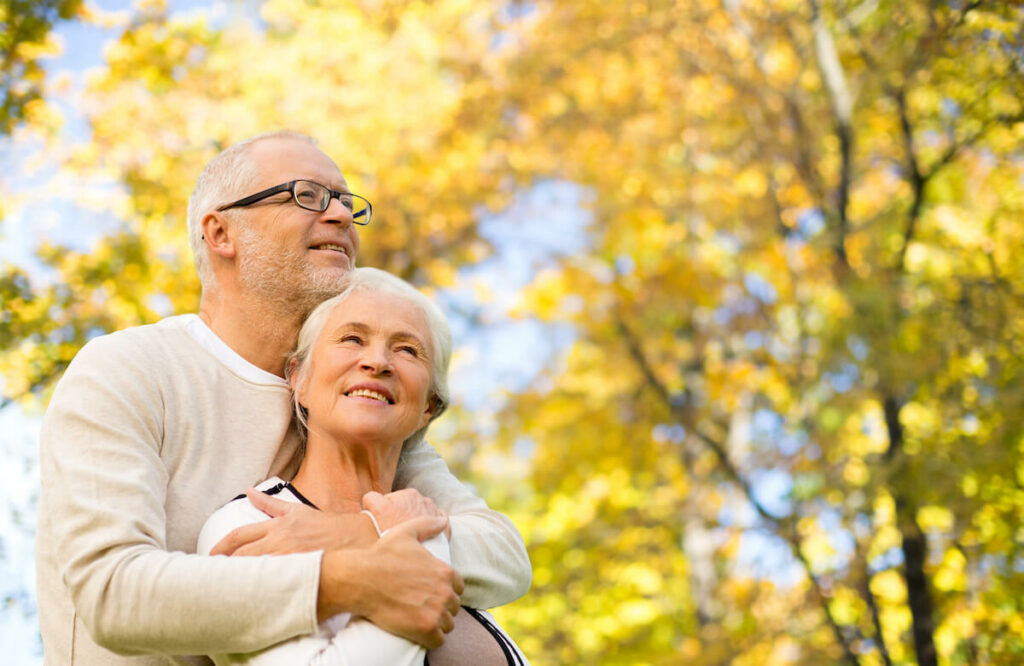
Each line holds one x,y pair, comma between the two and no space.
236,513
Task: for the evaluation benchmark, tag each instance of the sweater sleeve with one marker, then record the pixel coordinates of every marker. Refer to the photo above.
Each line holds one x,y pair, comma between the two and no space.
105,486
486,547
341,640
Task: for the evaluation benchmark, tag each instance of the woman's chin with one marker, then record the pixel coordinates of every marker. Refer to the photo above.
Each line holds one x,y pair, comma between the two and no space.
369,432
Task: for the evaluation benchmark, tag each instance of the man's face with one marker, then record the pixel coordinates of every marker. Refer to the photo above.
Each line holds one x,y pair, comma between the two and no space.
286,253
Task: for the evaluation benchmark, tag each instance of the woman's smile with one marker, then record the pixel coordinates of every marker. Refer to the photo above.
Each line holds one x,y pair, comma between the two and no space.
370,371
371,393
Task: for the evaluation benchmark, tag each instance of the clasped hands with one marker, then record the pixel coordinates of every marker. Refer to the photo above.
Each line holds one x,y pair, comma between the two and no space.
392,581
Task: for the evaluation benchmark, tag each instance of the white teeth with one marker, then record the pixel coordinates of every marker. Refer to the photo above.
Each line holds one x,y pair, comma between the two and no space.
331,246
367,393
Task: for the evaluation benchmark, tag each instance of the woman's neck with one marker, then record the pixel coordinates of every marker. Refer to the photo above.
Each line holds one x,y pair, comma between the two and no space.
335,475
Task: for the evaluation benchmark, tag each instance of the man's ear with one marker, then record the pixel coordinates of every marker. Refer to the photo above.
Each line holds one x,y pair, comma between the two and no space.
217,234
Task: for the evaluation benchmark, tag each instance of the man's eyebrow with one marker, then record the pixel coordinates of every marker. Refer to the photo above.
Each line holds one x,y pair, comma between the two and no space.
328,185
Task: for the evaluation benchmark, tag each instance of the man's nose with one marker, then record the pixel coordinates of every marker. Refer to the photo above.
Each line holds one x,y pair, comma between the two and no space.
337,213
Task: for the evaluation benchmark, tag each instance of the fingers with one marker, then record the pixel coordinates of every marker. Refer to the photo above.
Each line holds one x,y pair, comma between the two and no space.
406,590
271,506
448,621
451,607
433,637
399,506
432,633
421,528
373,501
432,640
240,537
431,507
412,498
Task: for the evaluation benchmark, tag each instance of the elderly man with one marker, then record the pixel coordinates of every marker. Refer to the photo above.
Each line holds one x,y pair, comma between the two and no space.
152,428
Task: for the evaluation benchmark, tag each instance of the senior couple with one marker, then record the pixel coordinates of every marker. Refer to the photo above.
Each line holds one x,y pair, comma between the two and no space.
353,544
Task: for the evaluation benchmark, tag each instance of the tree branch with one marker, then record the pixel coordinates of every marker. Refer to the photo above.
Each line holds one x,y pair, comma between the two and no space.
841,102
785,528
917,179
869,598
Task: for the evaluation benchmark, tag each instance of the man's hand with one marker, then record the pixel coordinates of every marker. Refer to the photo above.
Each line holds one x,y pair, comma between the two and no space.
396,584
295,528
402,505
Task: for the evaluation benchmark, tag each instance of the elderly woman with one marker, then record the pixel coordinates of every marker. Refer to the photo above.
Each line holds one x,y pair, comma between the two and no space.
368,376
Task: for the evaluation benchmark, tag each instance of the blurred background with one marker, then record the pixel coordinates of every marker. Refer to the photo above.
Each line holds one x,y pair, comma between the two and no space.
737,286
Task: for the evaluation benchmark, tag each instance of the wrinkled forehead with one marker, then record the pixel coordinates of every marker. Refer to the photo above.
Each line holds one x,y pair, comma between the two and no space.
283,159
380,311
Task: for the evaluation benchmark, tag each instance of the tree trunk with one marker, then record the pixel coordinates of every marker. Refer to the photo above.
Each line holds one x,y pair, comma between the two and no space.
915,551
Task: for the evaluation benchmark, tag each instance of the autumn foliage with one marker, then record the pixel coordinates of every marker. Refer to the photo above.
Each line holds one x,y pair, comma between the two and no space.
787,428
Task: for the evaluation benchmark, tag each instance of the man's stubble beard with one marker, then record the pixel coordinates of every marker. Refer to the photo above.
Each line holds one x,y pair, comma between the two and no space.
284,279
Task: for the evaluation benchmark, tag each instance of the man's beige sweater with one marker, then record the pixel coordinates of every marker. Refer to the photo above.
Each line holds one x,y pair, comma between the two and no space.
147,434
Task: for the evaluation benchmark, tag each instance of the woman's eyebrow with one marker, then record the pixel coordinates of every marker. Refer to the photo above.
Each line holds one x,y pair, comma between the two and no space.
359,327
406,336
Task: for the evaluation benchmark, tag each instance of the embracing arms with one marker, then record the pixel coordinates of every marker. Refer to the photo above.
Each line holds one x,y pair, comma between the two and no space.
140,444
486,548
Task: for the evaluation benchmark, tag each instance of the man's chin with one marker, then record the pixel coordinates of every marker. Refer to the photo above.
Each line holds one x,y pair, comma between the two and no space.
325,283
296,290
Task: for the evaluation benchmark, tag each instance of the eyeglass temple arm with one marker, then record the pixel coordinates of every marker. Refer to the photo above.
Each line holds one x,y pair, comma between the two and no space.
253,198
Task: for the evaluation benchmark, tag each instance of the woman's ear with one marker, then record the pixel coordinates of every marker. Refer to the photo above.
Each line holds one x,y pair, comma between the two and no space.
217,236
428,413
297,380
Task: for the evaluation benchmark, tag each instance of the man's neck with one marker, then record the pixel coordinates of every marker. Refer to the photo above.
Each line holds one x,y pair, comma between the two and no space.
263,336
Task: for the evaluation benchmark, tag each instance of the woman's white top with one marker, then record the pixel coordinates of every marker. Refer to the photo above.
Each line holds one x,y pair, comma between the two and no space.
340,640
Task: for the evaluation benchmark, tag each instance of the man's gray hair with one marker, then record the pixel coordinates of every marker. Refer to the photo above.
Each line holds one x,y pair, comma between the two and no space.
376,280
226,178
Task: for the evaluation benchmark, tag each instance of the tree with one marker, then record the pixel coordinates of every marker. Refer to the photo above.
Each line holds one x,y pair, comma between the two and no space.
24,39
785,431
24,29
802,222
177,91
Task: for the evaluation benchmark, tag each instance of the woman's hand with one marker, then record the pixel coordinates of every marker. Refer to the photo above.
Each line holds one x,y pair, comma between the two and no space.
402,505
295,528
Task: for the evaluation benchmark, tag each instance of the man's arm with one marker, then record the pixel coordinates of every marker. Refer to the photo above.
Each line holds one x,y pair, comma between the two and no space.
361,581
486,547
105,487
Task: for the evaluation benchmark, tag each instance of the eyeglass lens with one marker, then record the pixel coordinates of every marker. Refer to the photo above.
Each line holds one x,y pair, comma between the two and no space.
316,197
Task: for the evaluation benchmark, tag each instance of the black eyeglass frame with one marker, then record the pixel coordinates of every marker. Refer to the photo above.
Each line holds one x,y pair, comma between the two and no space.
290,188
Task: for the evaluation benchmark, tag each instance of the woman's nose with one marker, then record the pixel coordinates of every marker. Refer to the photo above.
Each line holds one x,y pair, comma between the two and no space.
376,360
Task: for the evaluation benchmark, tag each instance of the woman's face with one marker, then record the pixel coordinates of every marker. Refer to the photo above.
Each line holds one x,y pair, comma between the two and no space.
370,371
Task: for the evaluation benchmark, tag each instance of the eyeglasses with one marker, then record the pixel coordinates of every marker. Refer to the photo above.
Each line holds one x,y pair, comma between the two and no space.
312,196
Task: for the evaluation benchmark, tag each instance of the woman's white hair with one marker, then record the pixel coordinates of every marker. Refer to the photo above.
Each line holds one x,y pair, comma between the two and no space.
227,177
376,280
